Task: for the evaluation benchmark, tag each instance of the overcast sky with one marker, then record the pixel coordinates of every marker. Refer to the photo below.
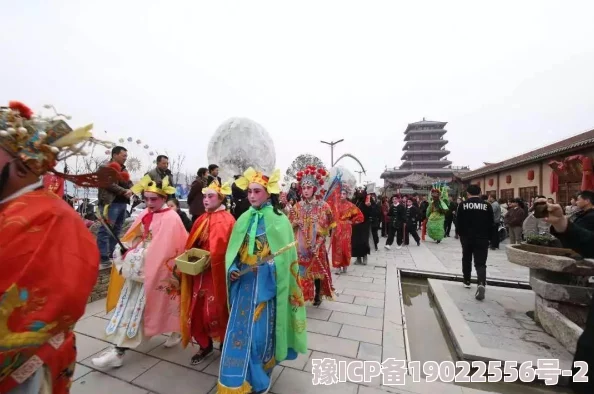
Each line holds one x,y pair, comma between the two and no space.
507,76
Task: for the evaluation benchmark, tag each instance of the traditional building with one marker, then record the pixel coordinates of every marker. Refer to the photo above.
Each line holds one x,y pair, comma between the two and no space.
559,171
424,159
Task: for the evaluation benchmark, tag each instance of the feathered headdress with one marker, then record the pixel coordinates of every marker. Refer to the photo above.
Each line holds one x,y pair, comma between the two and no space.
146,184
224,189
41,142
271,184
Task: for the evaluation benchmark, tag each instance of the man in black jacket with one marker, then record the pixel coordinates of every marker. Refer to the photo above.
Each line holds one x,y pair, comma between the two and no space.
397,218
412,218
475,224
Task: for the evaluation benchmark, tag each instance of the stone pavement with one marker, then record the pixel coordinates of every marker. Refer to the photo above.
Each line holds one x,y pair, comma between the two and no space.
365,323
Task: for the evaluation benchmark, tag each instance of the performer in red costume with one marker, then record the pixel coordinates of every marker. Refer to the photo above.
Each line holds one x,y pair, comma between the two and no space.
49,259
204,309
312,220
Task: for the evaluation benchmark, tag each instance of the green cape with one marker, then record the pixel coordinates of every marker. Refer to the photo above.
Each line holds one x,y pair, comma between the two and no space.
290,319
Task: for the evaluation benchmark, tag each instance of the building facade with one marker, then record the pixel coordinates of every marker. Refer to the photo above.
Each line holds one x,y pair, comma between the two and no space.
558,171
425,155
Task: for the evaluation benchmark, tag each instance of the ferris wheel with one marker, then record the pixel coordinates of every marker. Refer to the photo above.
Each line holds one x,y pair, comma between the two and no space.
141,157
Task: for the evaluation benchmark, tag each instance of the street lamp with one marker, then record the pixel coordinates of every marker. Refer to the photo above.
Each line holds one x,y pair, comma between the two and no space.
359,172
332,143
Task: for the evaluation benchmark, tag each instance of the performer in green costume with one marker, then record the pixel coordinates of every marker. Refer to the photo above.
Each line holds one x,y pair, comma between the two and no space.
436,214
267,322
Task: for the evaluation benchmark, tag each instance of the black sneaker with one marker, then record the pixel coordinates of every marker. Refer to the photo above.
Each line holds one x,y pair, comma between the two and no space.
480,293
467,284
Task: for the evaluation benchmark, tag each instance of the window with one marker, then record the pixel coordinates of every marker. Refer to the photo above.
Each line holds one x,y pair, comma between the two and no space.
507,194
526,193
491,193
566,191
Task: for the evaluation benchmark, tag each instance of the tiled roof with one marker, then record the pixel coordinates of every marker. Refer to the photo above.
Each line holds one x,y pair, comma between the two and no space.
572,143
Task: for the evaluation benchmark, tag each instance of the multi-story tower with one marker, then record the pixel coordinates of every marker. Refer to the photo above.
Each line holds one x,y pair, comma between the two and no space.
424,147
424,155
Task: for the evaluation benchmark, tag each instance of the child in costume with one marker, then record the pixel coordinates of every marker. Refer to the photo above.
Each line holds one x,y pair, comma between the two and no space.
204,311
144,286
436,214
346,214
267,321
312,220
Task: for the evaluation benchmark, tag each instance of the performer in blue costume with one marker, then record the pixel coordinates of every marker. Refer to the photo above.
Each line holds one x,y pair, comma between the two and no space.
267,322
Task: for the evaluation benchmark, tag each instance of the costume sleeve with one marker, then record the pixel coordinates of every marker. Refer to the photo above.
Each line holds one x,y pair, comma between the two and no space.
356,216
62,254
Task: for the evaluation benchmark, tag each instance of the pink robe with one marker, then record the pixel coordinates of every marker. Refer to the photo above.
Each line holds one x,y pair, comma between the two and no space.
167,237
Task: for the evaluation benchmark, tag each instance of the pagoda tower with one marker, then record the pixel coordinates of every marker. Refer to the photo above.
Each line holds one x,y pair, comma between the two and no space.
424,147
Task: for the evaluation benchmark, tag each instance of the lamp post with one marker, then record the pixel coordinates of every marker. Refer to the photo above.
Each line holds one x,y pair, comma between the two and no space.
359,172
332,143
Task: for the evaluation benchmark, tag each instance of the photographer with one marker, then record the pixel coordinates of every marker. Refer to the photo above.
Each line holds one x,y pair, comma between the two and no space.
581,240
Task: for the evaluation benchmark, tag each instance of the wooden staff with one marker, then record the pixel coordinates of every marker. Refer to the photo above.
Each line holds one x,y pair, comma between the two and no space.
268,258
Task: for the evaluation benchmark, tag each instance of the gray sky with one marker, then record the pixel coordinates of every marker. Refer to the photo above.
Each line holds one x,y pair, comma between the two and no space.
508,76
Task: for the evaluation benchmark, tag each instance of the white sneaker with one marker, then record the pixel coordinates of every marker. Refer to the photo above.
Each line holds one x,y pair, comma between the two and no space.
399,247
109,359
173,340
387,247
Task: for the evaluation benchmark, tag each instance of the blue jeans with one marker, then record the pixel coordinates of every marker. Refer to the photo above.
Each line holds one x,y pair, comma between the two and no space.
116,214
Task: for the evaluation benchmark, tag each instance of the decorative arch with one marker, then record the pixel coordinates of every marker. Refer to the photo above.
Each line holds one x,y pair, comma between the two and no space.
352,157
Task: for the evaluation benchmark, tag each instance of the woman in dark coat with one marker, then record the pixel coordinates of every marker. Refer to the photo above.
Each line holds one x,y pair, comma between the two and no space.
173,203
361,232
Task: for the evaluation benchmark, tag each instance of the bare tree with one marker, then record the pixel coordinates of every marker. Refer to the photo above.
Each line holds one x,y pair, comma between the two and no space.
176,165
299,163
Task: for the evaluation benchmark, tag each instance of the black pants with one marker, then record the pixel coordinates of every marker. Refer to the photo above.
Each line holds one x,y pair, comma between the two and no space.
384,228
495,236
477,248
318,286
447,225
411,229
394,229
374,235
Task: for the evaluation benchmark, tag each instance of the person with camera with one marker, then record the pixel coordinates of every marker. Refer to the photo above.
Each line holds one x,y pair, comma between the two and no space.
581,240
475,224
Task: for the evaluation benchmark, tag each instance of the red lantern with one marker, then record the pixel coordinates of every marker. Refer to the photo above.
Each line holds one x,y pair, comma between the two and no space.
491,182
531,175
508,179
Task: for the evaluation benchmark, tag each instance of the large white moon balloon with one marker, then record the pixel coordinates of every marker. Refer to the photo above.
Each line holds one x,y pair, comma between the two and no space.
240,143
347,177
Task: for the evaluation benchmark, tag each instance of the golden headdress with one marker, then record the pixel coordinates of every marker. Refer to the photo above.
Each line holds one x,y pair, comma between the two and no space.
146,184
224,189
41,142
271,184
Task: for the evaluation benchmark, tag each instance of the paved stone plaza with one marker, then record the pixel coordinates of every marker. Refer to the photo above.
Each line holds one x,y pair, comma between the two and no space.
365,323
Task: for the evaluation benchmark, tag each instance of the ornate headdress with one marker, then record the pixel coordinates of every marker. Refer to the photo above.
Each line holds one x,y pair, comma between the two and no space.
314,176
146,184
224,189
271,184
41,142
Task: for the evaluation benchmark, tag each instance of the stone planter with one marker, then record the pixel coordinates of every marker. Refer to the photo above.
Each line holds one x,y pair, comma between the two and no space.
563,293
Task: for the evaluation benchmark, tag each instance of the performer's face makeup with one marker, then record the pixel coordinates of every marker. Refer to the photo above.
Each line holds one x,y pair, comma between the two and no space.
257,195
153,201
307,190
343,195
211,200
